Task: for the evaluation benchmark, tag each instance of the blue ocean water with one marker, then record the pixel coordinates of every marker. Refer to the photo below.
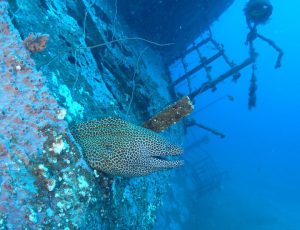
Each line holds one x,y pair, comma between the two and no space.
261,151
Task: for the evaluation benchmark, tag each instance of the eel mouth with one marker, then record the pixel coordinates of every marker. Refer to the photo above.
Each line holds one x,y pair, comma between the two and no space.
169,161
172,156
167,157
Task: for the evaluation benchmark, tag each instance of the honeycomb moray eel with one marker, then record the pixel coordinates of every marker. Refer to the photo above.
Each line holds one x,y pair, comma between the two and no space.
120,148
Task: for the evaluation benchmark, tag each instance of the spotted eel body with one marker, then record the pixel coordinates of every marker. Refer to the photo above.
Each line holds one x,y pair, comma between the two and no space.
120,148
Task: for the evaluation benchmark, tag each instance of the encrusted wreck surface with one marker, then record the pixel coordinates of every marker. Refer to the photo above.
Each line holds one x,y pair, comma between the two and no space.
87,70
44,179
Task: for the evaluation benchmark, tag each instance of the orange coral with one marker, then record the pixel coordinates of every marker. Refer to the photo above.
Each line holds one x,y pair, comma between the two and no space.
36,42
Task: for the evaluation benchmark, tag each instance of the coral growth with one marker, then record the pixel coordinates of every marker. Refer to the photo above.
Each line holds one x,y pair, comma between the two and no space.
36,42
26,106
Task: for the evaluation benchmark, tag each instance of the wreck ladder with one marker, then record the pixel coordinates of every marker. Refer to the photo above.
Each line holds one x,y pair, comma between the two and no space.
210,82
204,63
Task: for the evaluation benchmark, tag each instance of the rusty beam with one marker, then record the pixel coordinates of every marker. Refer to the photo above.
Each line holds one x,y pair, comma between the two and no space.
170,115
